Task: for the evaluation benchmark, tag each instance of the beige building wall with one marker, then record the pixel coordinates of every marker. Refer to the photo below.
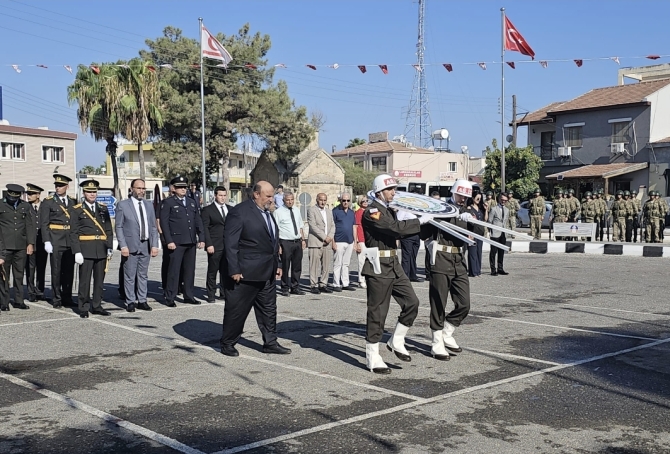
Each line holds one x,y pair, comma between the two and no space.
445,167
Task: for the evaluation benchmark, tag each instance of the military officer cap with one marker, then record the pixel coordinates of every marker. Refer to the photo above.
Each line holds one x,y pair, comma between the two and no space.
15,190
33,188
90,185
619,192
179,182
61,179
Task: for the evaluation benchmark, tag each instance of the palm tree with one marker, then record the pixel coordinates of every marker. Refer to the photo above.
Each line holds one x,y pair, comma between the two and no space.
140,103
96,94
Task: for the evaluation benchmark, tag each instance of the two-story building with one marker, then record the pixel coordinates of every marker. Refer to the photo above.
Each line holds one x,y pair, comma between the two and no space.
614,138
415,168
33,155
128,163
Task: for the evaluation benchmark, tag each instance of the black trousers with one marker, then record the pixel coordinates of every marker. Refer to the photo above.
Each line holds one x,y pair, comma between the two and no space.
216,264
35,271
181,258
240,298
122,290
496,255
441,285
379,294
410,249
475,259
291,264
636,225
598,229
96,269
15,263
629,230
62,275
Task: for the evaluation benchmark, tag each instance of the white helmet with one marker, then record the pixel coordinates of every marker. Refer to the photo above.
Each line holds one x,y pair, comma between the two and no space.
383,181
462,187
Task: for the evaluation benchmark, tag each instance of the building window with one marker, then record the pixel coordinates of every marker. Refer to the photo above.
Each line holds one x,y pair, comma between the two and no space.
360,162
53,154
149,195
573,136
13,151
240,164
620,132
379,164
453,166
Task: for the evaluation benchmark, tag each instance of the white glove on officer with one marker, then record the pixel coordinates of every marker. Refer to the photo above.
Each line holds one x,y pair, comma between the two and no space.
110,252
426,218
465,217
48,248
403,215
78,258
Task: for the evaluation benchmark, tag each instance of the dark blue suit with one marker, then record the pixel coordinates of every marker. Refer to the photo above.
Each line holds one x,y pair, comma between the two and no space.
253,252
182,226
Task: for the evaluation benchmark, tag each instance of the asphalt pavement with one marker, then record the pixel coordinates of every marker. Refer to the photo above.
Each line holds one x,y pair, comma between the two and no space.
567,354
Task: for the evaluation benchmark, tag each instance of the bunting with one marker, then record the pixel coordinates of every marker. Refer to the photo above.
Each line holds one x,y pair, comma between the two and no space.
16,68
482,65
616,60
68,68
362,68
384,69
448,67
417,67
544,63
579,63
511,64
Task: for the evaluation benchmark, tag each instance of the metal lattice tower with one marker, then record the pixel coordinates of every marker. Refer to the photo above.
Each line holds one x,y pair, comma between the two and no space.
417,121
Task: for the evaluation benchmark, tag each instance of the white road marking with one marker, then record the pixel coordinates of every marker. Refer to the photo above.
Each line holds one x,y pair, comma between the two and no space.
35,321
409,405
162,439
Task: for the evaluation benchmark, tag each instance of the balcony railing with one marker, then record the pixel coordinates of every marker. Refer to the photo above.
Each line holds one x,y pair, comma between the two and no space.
545,152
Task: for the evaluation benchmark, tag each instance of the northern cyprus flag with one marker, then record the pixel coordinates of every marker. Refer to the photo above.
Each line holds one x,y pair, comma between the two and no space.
211,48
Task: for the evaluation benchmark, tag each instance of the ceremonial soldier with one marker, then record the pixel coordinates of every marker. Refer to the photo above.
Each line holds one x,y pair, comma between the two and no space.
182,229
382,230
537,208
37,261
601,207
590,209
652,216
513,207
630,215
18,231
559,209
55,213
619,213
448,275
638,212
573,206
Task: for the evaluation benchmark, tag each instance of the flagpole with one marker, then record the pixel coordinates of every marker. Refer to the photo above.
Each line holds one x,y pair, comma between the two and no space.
202,117
502,104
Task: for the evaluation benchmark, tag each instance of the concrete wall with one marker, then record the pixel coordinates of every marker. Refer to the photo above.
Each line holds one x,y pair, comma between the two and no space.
660,114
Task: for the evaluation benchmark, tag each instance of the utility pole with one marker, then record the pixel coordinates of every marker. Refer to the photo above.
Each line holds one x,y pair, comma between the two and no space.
514,121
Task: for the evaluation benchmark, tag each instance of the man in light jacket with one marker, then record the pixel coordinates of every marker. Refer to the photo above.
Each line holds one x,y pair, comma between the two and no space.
320,244
499,216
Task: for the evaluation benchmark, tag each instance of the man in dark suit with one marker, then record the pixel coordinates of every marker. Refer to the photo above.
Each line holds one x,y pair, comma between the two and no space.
37,262
213,221
182,228
251,240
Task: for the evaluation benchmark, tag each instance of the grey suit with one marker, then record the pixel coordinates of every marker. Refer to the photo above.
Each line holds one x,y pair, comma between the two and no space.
498,216
135,270
320,254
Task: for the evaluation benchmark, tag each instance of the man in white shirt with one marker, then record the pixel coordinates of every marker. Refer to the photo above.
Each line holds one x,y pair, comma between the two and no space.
279,197
291,242
319,242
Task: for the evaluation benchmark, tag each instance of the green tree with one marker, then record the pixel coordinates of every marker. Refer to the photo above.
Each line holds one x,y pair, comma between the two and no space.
88,170
241,103
357,177
522,169
356,142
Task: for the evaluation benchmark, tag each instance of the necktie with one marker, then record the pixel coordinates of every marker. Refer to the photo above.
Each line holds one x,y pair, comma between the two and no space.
91,208
223,214
295,227
62,199
270,228
35,208
183,201
143,225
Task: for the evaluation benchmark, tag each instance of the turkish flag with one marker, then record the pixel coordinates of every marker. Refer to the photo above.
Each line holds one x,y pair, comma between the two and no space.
514,41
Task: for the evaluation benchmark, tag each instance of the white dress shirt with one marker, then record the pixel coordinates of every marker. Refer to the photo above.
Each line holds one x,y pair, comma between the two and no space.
224,207
136,204
325,219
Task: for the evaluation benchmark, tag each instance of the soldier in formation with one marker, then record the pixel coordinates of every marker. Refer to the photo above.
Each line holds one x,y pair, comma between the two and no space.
600,214
537,208
36,264
619,211
574,207
664,212
513,207
590,209
654,212
638,213
559,209
630,215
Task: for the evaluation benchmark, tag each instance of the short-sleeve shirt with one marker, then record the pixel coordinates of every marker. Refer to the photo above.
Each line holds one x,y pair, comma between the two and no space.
344,225
358,216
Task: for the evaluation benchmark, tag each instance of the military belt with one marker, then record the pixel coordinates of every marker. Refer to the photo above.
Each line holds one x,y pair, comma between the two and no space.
59,227
447,249
92,237
390,253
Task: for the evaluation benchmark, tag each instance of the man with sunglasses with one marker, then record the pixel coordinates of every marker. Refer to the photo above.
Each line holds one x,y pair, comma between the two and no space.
499,216
343,243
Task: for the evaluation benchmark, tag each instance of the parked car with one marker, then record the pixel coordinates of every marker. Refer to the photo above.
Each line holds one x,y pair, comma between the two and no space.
523,218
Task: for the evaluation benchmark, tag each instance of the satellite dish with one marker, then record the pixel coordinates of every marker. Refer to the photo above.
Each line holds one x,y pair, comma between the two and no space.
440,134
464,148
509,138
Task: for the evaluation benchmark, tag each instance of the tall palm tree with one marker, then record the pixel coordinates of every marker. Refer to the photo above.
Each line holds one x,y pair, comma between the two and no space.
96,94
140,103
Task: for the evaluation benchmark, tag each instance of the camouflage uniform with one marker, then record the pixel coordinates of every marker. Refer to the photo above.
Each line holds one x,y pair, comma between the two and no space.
652,216
536,209
513,207
573,206
559,210
664,211
619,213
636,216
630,215
590,209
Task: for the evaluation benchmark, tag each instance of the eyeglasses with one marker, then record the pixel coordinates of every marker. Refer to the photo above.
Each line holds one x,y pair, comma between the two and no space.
141,189
346,200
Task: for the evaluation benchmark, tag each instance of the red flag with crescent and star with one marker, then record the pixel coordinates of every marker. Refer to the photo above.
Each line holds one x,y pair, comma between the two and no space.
515,42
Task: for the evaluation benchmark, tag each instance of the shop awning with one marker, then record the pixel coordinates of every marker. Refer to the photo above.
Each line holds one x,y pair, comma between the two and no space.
598,171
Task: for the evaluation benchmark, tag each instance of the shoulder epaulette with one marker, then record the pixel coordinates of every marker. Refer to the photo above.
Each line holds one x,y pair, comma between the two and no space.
102,204
49,198
71,198
77,206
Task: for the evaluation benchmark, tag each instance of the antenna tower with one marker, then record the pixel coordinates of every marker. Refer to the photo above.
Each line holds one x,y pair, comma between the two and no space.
417,121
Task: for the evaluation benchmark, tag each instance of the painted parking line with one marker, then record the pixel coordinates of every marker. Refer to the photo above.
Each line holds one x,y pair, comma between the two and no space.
28,322
162,439
410,405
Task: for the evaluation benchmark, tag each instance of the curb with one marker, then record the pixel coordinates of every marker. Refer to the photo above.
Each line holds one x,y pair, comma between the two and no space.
583,247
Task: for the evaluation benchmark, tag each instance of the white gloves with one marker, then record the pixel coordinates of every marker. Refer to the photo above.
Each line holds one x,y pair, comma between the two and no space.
465,217
78,258
403,215
426,218
110,252
48,248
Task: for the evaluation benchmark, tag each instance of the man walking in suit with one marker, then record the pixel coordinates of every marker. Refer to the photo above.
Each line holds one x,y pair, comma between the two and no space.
499,216
37,261
251,240
213,222
137,235
292,242
319,242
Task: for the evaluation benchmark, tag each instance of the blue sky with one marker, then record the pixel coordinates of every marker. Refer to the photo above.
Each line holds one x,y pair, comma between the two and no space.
347,32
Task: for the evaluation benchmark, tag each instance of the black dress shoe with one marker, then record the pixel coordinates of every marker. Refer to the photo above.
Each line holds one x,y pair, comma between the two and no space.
276,349
315,290
131,307
144,306
418,279
170,304
401,356
211,300
32,299
22,306
4,308
325,290
297,291
220,297
337,289
83,314
382,370
350,288
57,305
503,272
101,312
494,273
284,293
193,301
229,350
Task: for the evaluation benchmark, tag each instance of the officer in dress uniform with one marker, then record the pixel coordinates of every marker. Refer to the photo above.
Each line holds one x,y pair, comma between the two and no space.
182,229
382,229
448,275
36,264
55,214
92,241
18,231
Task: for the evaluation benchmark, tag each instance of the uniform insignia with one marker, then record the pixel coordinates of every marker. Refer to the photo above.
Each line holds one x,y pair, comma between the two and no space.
49,198
102,204
376,215
77,206
373,210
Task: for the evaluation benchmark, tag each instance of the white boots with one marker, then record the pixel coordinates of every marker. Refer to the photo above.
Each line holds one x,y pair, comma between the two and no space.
374,360
449,341
437,347
396,343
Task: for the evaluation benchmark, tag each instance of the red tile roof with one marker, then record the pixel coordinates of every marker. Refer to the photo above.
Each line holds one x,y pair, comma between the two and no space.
540,115
379,147
601,170
666,140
